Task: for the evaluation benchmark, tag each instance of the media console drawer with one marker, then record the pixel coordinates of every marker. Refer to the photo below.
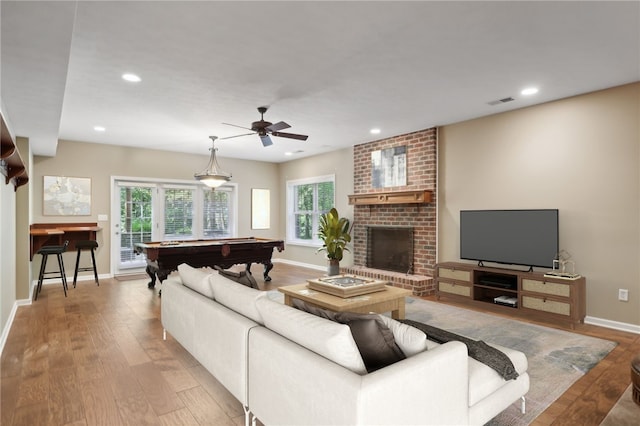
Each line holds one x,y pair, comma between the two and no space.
454,274
460,290
546,287
545,305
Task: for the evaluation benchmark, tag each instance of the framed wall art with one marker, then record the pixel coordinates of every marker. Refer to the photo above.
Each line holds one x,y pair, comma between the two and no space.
389,167
66,196
260,209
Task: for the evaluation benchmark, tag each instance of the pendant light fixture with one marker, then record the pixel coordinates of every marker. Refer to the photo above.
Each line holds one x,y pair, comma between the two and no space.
213,177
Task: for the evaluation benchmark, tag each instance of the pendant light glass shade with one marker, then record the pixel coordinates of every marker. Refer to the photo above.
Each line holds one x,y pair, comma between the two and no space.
213,177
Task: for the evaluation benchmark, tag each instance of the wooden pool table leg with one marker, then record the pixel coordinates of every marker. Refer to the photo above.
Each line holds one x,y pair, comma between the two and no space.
268,266
151,271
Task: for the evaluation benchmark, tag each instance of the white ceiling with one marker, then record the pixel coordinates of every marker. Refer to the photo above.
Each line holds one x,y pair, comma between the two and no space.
332,70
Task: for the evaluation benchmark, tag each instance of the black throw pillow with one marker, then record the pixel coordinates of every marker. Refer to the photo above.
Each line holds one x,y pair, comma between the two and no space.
242,277
374,339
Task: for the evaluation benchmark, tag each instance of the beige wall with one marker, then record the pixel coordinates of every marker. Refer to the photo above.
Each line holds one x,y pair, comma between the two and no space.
101,162
580,155
7,253
338,163
23,220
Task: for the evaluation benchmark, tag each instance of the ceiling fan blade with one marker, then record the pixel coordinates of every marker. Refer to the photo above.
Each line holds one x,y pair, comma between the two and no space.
237,136
290,136
266,140
235,125
277,126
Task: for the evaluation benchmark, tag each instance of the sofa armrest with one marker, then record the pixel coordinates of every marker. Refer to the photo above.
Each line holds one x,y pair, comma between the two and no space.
428,388
177,320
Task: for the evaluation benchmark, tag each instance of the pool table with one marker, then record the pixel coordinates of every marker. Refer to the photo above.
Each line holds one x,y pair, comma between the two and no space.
163,257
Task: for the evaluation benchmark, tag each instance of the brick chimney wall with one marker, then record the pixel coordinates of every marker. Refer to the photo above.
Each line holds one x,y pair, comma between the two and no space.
421,175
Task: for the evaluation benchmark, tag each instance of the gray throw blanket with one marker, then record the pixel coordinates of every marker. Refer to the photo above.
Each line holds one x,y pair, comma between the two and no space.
477,349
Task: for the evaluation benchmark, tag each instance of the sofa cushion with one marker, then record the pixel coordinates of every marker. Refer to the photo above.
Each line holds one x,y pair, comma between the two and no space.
411,340
237,297
326,338
374,339
196,279
242,277
375,342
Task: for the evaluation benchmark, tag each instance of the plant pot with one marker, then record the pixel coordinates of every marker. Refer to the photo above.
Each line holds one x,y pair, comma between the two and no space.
334,267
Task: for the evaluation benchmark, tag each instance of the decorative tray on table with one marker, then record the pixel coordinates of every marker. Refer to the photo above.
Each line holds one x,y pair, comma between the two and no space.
346,285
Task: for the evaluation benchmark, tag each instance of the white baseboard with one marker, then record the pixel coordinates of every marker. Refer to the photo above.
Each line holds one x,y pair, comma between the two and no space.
12,315
300,264
7,326
622,326
85,277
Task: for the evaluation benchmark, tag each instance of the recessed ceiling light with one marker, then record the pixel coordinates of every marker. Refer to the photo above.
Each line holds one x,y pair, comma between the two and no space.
131,77
99,128
529,91
374,131
288,153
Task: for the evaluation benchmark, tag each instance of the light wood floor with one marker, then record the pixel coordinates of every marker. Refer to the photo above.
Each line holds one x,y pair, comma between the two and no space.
97,358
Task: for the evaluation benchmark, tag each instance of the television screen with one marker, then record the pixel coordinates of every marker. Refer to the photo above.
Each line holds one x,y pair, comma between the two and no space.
514,237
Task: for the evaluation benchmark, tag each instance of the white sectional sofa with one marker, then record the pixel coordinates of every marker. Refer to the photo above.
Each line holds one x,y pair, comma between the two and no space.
289,367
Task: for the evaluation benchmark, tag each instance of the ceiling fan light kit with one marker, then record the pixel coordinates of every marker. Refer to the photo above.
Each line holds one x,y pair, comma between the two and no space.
266,129
213,176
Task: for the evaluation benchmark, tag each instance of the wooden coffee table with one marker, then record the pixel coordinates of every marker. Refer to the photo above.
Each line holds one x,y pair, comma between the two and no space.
390,299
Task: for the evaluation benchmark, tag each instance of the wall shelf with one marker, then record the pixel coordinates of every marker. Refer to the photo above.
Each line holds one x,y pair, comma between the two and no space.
11,163
396,197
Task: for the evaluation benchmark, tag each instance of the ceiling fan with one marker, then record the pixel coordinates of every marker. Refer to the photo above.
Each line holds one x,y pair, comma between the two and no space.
264,128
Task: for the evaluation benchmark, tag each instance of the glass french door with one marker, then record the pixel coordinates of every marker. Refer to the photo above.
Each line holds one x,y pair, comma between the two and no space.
134,224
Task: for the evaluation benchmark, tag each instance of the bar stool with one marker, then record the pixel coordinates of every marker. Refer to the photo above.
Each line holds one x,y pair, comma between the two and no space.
45,252
86,245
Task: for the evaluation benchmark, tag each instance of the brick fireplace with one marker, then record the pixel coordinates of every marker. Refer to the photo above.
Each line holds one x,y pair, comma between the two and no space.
420,175
390,248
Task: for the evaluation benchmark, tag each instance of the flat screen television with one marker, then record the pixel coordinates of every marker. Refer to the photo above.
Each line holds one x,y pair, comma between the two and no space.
512,237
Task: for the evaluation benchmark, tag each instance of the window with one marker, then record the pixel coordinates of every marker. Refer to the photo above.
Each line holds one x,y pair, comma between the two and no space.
217,213
192,212
178,213
307,199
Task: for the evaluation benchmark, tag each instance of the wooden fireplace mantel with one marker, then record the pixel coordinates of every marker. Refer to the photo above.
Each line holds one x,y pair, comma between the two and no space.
395,197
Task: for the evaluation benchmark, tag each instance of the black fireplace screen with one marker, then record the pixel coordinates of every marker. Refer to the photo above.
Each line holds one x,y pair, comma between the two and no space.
390,248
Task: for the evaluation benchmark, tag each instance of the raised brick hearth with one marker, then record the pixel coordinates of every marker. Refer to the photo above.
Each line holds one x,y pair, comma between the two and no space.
421,285
421,175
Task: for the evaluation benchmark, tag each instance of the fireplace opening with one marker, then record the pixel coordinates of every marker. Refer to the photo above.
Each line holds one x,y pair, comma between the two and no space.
390,248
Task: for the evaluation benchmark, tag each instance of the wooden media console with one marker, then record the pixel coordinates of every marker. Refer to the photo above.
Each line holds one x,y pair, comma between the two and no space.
520,293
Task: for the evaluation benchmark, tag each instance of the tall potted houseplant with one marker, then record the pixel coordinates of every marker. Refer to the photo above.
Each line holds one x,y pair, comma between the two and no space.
334,233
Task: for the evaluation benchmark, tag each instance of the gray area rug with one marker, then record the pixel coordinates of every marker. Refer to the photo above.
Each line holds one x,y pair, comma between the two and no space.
557,358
